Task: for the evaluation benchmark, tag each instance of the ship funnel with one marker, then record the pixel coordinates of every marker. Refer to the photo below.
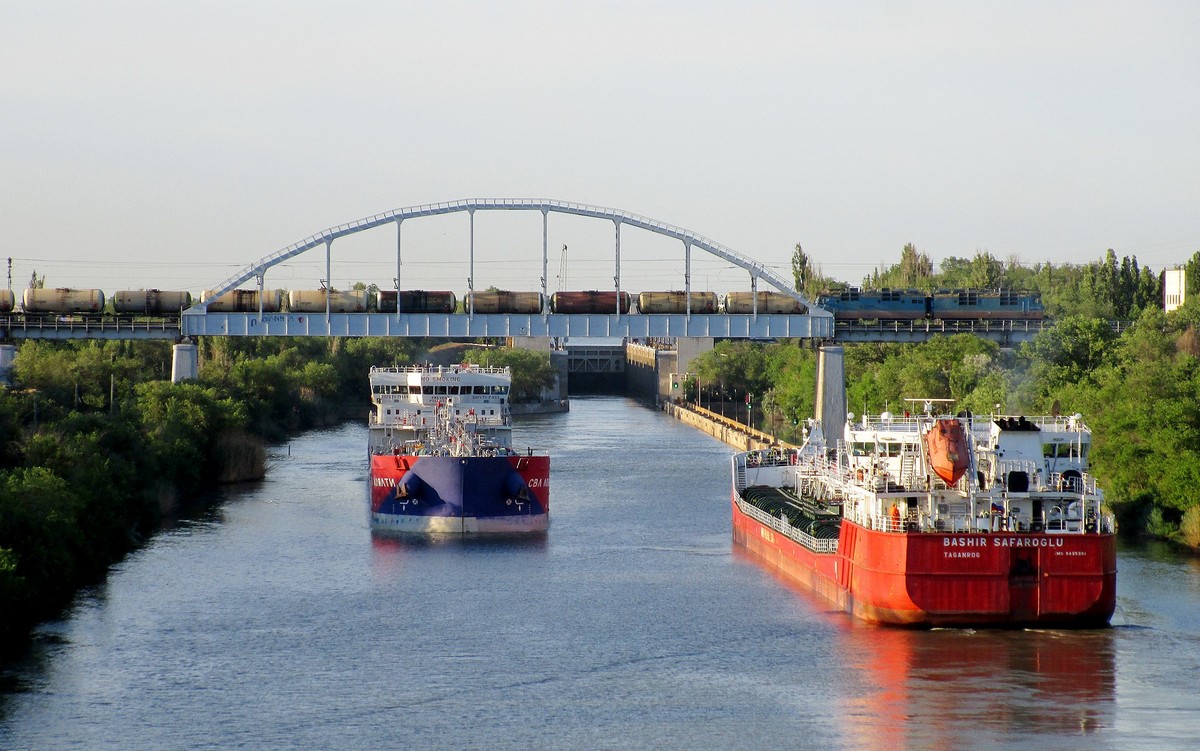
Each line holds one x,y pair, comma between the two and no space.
831,391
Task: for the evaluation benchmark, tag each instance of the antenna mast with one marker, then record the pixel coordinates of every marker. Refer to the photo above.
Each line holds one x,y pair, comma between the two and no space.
562,270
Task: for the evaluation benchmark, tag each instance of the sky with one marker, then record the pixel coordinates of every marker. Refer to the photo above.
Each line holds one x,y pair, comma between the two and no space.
170,144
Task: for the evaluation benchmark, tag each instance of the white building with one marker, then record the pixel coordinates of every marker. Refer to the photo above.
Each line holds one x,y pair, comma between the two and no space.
1174,289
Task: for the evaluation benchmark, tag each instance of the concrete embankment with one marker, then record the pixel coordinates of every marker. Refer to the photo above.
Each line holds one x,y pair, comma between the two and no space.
735,434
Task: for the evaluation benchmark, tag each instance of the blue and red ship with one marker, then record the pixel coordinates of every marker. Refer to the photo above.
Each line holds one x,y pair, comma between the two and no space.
442,459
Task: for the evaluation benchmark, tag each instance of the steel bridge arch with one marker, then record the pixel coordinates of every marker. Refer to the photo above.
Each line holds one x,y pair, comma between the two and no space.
546,206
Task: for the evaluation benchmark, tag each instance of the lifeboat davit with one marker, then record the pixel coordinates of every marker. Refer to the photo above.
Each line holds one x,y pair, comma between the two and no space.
948,451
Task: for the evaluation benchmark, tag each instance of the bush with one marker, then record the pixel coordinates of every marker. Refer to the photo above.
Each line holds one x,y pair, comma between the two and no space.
1189,528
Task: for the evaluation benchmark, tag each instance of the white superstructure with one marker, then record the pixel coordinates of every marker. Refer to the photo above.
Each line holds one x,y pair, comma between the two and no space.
420,407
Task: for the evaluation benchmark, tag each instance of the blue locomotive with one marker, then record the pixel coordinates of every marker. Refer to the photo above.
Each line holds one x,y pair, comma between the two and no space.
945,305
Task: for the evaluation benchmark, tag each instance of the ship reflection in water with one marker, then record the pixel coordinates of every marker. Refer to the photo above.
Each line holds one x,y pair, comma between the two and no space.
392,554
966,688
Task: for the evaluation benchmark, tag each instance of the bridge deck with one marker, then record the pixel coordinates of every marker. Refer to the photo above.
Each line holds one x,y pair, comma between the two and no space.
505,325
634,326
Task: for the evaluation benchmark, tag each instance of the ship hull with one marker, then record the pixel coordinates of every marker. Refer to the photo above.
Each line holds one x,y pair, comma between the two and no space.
448,495
925,579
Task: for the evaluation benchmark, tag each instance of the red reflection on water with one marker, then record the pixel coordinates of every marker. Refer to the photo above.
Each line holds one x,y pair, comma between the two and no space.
960,688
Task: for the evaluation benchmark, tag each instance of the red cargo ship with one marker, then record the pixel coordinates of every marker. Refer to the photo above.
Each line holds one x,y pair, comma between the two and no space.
937,521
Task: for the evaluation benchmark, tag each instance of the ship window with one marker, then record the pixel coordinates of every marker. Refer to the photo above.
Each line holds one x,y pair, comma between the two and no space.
889,449
427,390
439,390
481,389
414,389
453,390
1061,450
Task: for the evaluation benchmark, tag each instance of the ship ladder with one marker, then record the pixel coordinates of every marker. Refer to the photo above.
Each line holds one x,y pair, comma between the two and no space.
908,467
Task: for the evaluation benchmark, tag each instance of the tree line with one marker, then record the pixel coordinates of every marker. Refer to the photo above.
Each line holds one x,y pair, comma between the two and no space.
1108,288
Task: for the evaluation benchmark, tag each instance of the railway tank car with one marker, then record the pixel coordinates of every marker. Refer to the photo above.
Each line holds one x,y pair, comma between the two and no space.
416,301
150,302
8,301
741,303
504,301
63,300
314,301
243,301
590,301
676,301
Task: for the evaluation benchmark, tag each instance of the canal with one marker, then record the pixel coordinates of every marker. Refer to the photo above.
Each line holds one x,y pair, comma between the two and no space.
277,621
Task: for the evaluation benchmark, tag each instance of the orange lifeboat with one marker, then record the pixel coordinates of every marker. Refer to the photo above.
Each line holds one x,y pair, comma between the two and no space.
948,450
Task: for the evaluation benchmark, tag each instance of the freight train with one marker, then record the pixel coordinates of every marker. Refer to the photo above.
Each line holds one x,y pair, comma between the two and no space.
853,305
67,301
850,305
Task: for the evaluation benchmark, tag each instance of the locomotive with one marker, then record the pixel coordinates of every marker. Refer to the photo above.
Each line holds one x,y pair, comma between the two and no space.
945,305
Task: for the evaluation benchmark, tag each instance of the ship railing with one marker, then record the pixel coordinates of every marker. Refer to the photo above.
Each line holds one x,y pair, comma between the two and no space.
889,523
773,457
1074,482
1018,475
442,369
780,524
411,420
1077,516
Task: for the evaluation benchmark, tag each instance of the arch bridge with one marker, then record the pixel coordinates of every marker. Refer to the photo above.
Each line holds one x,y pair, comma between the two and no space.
816,323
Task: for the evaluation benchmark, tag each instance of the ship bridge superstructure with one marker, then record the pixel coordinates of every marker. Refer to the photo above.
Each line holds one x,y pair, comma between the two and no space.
426,405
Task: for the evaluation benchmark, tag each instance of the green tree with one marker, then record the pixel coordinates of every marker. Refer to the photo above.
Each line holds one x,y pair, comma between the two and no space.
532,372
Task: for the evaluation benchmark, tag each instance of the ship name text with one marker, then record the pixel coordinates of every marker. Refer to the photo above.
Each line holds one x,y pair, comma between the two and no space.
1002,542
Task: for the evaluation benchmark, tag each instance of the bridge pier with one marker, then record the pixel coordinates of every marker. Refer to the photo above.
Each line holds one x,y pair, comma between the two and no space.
831,390
185,362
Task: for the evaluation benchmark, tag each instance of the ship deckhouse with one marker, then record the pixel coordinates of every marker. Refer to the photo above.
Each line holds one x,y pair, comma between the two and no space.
409,401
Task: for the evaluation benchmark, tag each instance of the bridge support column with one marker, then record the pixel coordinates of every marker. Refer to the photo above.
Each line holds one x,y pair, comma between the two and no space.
831,390
185,362
8,353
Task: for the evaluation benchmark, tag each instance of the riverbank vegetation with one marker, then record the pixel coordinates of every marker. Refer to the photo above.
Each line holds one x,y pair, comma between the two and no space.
97,447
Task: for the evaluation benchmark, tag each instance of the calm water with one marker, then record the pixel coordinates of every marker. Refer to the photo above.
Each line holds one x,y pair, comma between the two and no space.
278,622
